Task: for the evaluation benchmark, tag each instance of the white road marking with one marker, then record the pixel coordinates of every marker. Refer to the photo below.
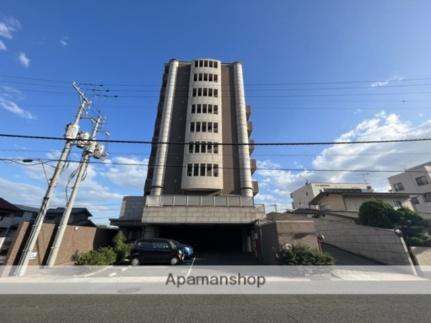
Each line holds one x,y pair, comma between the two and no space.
112,274
190,269
124,268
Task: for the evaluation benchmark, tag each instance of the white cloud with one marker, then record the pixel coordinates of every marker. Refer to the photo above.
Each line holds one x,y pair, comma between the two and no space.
2,45
127,175
24,60
8,27
64,41
8,96
387,81
389,156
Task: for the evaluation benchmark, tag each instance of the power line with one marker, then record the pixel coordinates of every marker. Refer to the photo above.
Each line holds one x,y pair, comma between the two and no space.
297,169
291,143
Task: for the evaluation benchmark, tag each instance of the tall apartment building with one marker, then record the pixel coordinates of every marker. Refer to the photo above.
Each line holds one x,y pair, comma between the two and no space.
200,172
417,182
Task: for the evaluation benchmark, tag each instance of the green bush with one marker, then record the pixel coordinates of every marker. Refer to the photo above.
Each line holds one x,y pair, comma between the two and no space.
302,255
121,247
377,213
99,257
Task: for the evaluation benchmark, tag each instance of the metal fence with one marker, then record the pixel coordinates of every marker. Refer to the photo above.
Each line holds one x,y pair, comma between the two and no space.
192,200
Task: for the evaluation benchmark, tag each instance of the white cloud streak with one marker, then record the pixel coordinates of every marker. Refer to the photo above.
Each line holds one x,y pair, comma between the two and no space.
24,60
387,81
2,46
8,27
8,97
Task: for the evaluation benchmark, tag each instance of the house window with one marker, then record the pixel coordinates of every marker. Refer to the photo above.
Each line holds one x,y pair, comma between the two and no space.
198,127
204,127
196,147
201,63
414,200
398,204
193,108
422,180
215,109
206,63
215,148
204,108
210,108
205,91
209,148
192,127
215,78
195,77
203,147
215,170
210,127
200,76
427,197
194,91
216,93
210,77
195,169
190,148
196,63
200,91
206,77
215,127
398,187
199,108
211,63
202,169
209,170
189,169
215,64
210,92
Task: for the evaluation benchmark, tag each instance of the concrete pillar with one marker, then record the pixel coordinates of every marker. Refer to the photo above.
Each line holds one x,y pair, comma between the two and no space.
165,125
241,121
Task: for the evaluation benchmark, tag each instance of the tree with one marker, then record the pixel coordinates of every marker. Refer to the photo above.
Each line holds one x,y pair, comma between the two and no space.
300,255
377,213
121,247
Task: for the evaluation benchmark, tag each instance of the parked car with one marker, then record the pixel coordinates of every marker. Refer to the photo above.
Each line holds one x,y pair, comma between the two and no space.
155,251
186,249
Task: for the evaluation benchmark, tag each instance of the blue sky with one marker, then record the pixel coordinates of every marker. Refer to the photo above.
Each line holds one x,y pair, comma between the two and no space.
314,70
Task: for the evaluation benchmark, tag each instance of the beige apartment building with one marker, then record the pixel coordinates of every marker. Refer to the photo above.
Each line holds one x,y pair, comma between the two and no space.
302,197
416,182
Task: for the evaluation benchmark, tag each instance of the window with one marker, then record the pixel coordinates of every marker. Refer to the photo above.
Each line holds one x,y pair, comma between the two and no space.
204,108
194,91
210,77
414,200
216,93
398,187
215,64
215,109
206,77
189,169
209,170
200,76
195,169
192,127
210,127
196,63
196,147
195,77
198,127
397,204
210,92
215,148
206,63
201,63
203,147
422,180
191,148
215,127
199,108
204,127
427,197
215,78
202,169
193,108
144,245
211,63
210,108
205,91
209,148
199,91
215,170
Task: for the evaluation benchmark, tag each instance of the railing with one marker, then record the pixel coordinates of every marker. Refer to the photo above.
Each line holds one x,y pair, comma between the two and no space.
193,200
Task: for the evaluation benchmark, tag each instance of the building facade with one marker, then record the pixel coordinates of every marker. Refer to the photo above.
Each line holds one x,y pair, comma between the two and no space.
200,166
417,182
302,197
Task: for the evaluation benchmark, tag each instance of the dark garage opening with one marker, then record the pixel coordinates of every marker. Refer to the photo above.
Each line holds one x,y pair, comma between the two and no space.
207,238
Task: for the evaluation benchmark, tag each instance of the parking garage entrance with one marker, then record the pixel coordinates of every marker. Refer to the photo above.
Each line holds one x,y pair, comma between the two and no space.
232,238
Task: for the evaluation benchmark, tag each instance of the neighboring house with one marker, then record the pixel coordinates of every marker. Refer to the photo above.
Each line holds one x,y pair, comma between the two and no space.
12,215
347,202
417,182
303,195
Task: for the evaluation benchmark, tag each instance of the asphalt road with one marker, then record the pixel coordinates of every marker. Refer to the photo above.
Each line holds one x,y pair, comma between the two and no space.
208,308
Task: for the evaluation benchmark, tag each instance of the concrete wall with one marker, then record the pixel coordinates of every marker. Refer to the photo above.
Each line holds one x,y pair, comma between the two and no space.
421,255
381,245
77,239
275,235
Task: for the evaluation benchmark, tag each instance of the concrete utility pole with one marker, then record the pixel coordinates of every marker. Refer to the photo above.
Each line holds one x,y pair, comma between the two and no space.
71,135
88,152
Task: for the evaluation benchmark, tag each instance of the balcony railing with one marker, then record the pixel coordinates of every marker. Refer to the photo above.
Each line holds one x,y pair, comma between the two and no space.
193,200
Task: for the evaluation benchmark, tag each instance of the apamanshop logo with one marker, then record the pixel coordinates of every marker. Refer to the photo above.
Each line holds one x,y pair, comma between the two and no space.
215,280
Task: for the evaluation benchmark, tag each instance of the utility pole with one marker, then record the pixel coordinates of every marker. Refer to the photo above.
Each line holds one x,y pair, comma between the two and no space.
88,152
70,136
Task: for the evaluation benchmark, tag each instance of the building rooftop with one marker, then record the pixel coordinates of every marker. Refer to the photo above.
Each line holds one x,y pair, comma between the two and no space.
357,193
